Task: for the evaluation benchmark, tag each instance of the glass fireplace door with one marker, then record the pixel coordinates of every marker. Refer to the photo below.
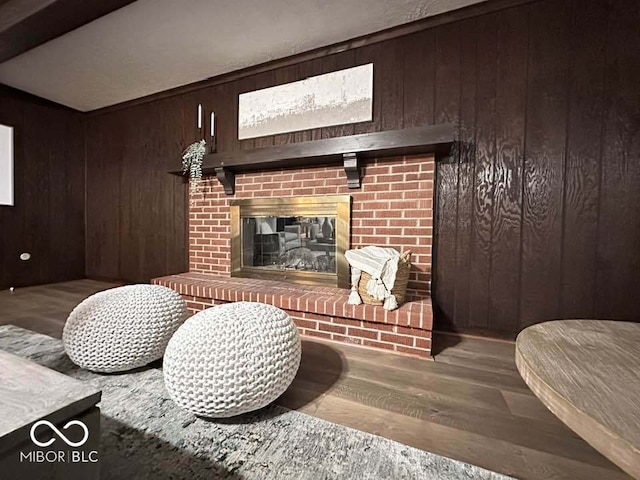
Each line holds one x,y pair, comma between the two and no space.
297,239
289,243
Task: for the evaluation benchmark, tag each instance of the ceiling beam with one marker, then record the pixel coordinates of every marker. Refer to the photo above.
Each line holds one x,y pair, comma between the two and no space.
26,24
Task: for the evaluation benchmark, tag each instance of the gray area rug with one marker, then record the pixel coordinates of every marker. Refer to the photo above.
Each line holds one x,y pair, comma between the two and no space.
145,435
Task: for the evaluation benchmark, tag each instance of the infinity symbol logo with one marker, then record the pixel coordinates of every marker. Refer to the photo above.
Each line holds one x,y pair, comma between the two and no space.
59,433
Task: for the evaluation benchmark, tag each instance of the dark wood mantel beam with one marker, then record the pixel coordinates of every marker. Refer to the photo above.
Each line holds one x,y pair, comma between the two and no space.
429,139
350,151
26,24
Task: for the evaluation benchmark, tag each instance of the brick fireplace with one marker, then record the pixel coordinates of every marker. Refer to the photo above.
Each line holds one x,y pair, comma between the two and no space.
393,207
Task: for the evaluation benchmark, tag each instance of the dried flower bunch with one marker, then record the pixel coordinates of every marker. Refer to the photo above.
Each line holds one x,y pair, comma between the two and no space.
192,163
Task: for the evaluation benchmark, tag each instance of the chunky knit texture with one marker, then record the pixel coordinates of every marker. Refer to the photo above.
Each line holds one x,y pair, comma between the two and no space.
123,328
232,359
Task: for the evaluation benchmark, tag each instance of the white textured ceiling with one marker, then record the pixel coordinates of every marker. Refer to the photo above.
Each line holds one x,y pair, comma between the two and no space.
154,45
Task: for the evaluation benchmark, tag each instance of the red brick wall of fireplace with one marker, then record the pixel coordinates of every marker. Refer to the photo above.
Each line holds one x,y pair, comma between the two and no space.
393,208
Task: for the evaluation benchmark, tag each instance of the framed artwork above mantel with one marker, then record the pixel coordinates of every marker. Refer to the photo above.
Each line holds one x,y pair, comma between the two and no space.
335,98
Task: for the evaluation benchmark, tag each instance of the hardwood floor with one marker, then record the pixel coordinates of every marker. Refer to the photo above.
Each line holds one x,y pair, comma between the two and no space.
45,308
469,404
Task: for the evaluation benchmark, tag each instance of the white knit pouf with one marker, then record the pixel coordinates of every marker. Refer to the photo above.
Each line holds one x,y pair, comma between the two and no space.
232,359
123,328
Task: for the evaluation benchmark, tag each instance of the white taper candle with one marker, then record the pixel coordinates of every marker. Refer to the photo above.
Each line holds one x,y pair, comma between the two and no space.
199,115
213,124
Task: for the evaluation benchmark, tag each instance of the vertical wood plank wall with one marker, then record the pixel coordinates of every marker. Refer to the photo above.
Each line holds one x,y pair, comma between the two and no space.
136,211
47,219
538,210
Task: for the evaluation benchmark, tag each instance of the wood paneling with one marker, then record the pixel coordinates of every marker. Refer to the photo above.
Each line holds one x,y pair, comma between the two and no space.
484,173
136,213
419,65
538,120
447,80
465,173
618,245
545,138
48,217
582,167
504,276
536,209
103,224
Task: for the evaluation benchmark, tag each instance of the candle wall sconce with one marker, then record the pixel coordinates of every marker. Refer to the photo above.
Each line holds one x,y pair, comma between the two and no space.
199,119
200,123
213,132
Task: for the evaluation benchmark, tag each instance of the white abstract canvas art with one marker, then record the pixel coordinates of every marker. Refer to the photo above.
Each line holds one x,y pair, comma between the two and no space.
6,165
335,98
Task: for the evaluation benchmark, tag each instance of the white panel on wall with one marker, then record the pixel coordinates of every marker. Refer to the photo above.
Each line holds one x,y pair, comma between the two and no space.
6,165
335,98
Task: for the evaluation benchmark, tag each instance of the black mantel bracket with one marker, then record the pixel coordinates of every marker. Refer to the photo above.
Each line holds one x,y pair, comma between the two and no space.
352,169
351,151
227,179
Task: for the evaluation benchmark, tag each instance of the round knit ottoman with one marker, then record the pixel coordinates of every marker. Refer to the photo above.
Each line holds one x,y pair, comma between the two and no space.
123,328
232,359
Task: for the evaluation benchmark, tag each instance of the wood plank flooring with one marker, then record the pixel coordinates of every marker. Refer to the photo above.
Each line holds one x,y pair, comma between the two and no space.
45,308
469,404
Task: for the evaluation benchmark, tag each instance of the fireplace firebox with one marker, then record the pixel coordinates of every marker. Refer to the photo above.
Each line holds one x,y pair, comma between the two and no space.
297,239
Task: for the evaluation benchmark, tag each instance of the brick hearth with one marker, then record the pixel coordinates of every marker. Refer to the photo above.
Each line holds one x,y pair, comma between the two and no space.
317,311
393,208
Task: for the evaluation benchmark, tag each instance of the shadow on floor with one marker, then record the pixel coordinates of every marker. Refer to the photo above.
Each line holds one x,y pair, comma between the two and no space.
321,367
127,453
265,413
442,341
